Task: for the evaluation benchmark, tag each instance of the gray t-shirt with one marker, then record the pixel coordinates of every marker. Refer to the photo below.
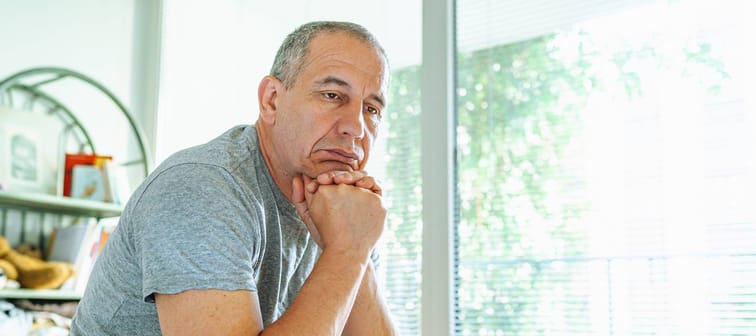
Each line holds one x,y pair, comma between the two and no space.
208,217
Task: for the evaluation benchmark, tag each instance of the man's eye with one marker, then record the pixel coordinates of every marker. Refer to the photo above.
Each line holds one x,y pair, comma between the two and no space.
372,110
331,95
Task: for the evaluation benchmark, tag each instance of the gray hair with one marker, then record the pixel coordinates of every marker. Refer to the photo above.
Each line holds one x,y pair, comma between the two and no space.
291,55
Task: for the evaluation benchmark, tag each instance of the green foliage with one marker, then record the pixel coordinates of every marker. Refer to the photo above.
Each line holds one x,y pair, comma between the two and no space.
519,106
520,190
402,237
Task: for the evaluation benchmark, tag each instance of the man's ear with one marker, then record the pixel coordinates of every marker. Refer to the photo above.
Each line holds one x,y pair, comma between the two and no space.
267,95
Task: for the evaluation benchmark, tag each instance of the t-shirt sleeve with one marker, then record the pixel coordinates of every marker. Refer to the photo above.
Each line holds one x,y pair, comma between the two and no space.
195,229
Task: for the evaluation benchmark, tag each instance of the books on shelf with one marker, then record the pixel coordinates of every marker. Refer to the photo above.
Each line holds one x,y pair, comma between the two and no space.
65,243
79,244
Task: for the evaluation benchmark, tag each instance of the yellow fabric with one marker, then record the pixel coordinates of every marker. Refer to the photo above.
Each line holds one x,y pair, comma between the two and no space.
33,272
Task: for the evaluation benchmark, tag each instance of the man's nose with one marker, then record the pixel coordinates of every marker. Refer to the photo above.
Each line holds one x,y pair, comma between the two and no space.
352,121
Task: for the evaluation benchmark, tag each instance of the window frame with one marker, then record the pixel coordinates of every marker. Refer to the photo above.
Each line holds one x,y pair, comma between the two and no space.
437,167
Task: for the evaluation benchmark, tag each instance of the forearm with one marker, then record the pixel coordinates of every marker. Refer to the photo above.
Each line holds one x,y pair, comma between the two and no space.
370,315
323,304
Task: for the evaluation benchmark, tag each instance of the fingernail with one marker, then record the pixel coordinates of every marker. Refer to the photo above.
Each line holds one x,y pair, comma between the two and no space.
311,187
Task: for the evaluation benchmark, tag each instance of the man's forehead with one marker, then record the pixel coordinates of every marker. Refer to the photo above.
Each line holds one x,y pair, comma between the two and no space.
345,46
336,52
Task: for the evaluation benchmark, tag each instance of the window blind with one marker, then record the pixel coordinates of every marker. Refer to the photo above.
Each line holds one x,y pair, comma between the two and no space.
401,244
605,167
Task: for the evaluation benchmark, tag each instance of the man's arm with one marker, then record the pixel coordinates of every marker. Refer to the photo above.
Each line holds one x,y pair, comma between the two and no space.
369,316
209,312
349,221
219,312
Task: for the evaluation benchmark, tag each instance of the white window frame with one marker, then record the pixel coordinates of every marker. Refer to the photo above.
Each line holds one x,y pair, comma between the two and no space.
437,172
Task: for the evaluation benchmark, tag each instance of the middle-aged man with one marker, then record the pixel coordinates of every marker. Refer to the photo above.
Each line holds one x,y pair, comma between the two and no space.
268,229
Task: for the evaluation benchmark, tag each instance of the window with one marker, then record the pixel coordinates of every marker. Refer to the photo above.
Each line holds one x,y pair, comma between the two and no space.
605,168
401,243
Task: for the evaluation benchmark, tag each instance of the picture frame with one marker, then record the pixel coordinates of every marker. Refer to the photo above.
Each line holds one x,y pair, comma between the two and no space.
29,150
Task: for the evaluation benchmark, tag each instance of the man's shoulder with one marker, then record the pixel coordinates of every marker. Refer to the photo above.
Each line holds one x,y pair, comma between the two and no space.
234,148
227,165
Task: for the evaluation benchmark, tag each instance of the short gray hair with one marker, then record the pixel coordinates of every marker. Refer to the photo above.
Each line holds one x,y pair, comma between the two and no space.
291,55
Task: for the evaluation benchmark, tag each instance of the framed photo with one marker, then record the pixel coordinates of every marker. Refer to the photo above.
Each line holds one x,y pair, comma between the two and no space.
29,151
88,182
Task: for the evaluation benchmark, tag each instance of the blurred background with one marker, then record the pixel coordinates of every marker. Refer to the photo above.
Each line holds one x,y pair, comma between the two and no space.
597,157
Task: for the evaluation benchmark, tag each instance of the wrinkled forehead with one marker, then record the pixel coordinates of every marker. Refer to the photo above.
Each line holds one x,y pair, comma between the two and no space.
340,51
382,69
385,73
382,77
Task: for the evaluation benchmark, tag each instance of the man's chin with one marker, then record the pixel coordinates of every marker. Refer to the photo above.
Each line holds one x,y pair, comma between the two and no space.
329,166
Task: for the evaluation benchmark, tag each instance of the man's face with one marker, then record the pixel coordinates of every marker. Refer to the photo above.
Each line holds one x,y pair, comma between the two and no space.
329,118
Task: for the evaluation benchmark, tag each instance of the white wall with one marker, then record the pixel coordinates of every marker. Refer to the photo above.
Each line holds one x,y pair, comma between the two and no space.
90,36
95,38
215,53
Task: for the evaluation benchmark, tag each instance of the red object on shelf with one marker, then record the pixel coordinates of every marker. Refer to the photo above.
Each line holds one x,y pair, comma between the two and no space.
80,159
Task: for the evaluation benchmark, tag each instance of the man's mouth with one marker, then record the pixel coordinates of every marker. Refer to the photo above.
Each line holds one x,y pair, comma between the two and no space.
344,156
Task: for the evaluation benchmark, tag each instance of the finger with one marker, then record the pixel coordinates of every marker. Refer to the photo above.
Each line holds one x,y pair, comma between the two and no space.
328,178
297,190
348,177
301,199
331,177
325,178
310,185
370,183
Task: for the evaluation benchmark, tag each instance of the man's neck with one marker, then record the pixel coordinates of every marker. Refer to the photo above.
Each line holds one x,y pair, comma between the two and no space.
281,177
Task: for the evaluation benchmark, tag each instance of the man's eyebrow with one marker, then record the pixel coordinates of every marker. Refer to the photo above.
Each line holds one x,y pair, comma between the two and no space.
343,83
332,80
379,99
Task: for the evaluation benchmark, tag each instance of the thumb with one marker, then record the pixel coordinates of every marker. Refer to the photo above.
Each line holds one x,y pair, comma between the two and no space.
310,187
297,190
299,197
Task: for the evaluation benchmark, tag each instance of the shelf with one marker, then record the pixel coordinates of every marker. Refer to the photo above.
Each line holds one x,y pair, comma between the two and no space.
40,294
58,205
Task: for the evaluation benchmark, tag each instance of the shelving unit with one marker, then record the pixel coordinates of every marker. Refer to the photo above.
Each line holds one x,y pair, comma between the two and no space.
58,205
24,201
33,91
40,294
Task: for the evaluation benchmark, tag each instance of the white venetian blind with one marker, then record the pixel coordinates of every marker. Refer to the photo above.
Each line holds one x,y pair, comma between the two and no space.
401,242
605,168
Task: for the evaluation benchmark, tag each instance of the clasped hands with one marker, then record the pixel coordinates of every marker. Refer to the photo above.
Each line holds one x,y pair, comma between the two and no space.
343,210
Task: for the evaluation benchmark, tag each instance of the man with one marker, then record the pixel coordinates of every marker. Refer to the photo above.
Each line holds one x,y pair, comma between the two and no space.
264,230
